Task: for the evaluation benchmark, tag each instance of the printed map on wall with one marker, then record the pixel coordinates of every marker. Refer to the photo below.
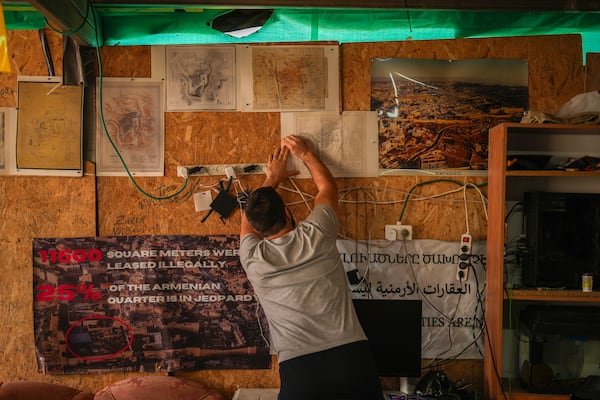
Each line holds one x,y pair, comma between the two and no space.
144,304
130,127
435,114
49,134
200,78
288,78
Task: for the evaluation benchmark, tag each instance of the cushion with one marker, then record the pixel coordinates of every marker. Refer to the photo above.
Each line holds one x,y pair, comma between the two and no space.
22,390
154,387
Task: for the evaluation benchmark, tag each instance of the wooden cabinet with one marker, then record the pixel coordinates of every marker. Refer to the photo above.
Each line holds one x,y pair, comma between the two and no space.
504,185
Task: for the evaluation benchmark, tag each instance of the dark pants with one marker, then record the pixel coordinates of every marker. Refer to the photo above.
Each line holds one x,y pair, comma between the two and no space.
343,373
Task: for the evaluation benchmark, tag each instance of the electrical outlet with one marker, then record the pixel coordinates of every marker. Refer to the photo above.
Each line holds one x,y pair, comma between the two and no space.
187,171
230,172
398,232
182,172
464,255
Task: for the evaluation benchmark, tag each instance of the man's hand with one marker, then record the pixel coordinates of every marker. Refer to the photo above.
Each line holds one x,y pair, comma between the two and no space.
327,191
277,170
299,146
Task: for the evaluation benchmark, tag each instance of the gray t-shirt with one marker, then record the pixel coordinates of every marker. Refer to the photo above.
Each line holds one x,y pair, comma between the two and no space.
301,284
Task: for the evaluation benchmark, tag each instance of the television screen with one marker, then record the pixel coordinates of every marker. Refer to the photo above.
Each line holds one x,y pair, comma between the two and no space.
393,328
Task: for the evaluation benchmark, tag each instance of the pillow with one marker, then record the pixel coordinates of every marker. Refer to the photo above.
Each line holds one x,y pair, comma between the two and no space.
156,387
23,390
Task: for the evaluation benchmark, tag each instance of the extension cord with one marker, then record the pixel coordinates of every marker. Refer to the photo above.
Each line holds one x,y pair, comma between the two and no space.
466,244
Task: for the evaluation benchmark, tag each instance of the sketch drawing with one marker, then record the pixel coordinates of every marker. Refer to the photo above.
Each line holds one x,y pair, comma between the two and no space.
132,117
200,78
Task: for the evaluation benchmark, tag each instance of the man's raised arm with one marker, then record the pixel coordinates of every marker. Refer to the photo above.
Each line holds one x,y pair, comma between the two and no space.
327,190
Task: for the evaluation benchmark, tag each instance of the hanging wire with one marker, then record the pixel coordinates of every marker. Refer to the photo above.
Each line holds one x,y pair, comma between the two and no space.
105,130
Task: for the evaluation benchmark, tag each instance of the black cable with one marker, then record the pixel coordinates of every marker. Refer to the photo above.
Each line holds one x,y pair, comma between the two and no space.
475,340
491,350
493,357
512,209
46,51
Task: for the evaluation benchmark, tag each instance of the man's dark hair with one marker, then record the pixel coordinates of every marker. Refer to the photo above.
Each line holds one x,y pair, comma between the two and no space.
265,211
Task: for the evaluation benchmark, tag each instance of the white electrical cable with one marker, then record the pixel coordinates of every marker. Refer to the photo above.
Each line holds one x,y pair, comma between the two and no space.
466,208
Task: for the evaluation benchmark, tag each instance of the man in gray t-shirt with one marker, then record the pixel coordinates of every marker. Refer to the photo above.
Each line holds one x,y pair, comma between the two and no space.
297,274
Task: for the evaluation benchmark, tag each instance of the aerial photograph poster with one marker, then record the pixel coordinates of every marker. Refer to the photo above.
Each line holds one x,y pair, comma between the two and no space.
435,115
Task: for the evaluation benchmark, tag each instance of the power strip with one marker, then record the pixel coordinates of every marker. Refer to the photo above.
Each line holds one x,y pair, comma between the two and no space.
185,171
464,255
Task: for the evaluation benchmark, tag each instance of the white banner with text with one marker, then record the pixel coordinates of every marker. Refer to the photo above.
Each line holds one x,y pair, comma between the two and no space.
427,270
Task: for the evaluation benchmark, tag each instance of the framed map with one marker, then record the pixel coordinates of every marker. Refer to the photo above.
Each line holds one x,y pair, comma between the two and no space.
49,137
130,133
200,78
288,78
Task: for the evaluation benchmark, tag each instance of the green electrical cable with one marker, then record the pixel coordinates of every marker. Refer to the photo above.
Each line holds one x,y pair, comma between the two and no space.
185,182
433,181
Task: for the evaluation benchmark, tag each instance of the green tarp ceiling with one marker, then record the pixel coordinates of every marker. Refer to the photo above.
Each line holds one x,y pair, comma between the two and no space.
160,25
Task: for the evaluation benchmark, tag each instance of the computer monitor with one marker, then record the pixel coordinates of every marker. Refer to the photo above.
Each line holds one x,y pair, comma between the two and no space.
393,328
563,238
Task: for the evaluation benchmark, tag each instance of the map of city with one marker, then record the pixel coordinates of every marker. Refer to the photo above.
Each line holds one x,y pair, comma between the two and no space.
132,116
49,132
200,77
289,78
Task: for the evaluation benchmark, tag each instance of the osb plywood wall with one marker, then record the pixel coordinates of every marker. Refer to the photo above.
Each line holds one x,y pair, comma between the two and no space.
592,72
63,207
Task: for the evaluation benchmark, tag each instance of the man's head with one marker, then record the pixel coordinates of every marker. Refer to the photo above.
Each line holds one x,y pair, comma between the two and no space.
265,211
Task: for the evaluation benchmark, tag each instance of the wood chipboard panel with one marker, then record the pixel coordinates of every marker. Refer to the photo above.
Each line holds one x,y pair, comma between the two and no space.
592,72
33,207
555,64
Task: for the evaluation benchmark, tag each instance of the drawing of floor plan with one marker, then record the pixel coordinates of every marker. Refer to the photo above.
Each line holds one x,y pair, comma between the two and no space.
347,142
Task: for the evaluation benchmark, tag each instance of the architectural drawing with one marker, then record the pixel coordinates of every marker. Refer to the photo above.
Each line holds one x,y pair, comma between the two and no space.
200,78
130,124
49,127
346,143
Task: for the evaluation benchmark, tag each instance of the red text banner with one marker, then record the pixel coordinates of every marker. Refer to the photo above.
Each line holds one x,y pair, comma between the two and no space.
144,303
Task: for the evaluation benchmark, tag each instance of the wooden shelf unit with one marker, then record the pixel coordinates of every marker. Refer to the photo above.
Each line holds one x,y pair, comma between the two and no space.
514,138
553,295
